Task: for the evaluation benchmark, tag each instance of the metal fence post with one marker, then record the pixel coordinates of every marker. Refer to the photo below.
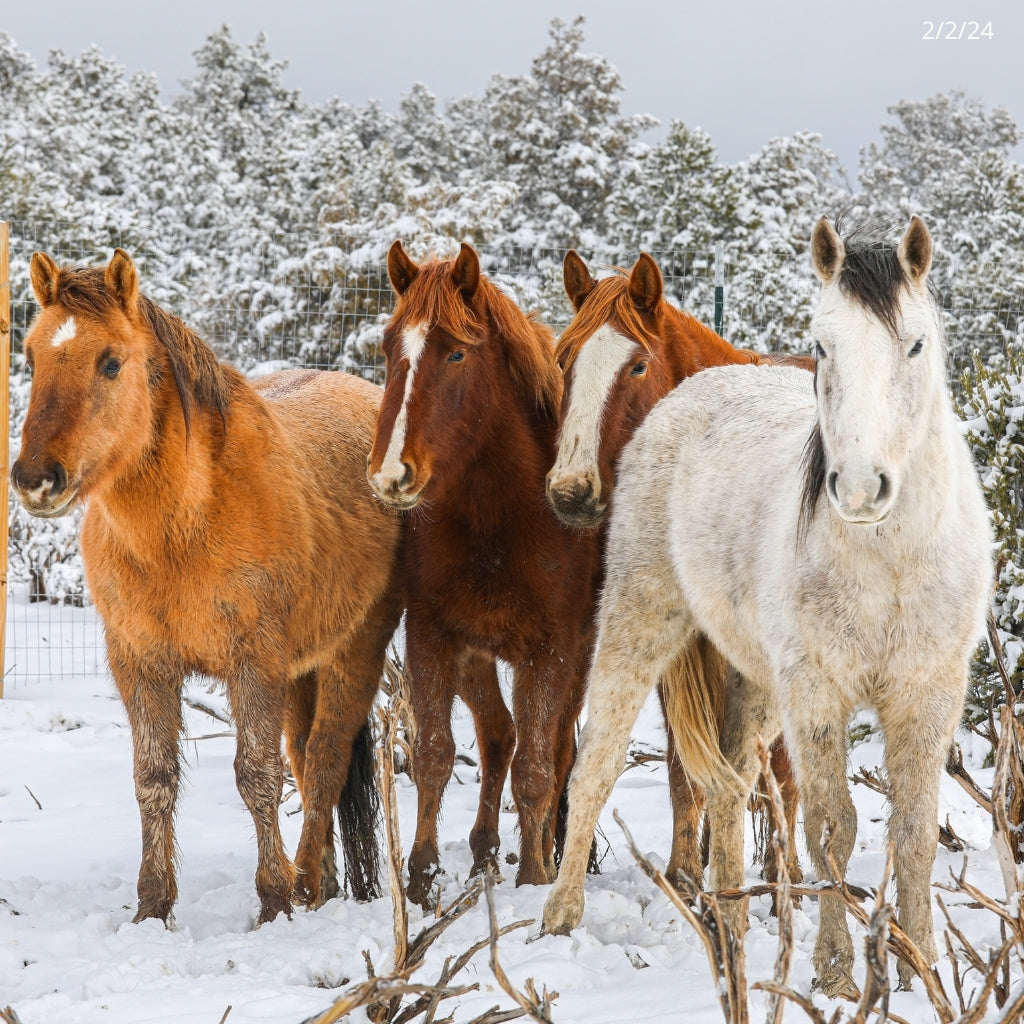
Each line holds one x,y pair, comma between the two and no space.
5,423
719,289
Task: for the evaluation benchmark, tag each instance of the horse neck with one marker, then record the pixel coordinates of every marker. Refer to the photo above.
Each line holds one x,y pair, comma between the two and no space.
160,500
507,468
691,346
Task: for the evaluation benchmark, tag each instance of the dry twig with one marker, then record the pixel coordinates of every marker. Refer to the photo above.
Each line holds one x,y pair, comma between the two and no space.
537,1007
724,951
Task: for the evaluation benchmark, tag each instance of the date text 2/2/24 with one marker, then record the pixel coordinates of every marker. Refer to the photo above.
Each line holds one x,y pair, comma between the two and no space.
957,30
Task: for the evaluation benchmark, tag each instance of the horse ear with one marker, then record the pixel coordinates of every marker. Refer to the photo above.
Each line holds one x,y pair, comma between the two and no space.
915,250
122,279
576,278
466,271
45,275
645,283
827,251
401,269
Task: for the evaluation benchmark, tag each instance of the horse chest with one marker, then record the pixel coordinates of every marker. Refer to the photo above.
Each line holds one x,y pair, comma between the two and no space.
874,625
504,592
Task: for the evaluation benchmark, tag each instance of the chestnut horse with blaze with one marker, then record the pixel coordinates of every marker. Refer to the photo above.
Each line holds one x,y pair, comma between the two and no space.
626,348
465,437
230,532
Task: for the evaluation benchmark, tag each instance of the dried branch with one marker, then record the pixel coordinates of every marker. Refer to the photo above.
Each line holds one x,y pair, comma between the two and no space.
225,1017
898,942
724,951
1008,804
784,902
871,779
208,709
8,1016
537,1007
955,768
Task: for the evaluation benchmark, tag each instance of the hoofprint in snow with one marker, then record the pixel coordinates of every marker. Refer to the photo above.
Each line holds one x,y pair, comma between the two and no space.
69,853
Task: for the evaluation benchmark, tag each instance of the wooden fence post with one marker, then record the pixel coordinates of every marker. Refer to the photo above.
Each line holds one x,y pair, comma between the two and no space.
5,425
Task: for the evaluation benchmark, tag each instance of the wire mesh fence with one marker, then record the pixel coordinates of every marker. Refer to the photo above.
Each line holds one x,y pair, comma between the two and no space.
323,303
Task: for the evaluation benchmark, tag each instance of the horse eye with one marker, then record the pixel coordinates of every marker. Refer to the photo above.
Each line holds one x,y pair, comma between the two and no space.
639,369
918,345
111,368
457,356
819,352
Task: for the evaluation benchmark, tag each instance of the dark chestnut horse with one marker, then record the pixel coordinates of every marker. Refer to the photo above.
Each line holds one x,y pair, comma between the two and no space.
230,532
625,349
465,437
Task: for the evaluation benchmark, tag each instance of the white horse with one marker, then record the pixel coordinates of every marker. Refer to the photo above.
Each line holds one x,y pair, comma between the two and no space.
849,524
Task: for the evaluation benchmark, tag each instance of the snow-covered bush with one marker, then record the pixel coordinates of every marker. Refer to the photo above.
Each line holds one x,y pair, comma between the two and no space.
994,411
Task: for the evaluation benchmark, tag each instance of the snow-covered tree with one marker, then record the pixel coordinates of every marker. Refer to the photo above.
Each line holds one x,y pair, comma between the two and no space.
994,411
949,159
557,135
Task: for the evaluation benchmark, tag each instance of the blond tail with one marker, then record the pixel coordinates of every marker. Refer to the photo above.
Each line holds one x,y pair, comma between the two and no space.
694,692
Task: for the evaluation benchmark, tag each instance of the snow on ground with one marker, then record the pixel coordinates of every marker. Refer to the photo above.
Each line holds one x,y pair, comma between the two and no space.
69,854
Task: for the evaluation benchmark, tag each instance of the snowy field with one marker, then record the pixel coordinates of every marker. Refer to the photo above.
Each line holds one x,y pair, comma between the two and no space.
69,855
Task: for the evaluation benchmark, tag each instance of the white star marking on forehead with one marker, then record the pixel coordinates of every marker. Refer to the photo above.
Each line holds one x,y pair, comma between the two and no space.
65,332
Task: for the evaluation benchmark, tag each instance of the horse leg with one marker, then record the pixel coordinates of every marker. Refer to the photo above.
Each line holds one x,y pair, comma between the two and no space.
817,742
623,674
299,710
257,703
687,799
750,712
496,740
432,693
782,769
343,703
151,692
546,706
916,746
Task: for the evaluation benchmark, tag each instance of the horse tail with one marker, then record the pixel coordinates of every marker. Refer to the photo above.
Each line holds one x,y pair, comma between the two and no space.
360,820
694,688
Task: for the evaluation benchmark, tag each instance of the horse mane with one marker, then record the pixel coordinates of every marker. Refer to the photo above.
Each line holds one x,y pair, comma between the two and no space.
610,298
433,298
872,274
199,378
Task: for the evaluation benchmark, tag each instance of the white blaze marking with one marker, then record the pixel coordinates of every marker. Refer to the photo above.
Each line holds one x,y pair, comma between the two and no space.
595,370
414,341
65,332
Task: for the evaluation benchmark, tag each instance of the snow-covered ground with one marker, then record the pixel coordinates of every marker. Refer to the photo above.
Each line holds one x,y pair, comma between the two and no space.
69,853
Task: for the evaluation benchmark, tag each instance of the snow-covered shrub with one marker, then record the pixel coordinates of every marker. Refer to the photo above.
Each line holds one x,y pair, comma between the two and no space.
994,411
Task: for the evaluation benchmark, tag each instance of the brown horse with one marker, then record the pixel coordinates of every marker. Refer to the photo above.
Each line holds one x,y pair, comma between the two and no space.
229,532
625,349
465,437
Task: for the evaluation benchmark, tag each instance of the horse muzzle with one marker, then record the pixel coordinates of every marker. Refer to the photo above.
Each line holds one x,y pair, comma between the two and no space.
400,492
861,495
47,492
575,500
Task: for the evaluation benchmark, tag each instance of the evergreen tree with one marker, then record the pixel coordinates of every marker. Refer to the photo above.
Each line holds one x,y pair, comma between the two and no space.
994,410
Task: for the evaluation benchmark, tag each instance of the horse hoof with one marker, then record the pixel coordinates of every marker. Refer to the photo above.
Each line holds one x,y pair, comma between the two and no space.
421,891
561,915
487,865
161,912
838,984
272,905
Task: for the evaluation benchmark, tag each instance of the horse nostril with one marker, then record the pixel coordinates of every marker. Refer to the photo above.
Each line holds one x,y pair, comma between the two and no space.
406,476
884,489
60,479
833,477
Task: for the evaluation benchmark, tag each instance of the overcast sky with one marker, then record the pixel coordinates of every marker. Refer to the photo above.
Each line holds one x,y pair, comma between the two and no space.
741,70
